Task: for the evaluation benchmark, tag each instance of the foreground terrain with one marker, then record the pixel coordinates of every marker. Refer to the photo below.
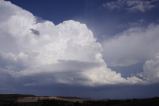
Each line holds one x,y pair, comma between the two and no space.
31,100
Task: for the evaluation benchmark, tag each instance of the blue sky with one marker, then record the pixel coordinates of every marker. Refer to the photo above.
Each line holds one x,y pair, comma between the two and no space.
87,48
103,21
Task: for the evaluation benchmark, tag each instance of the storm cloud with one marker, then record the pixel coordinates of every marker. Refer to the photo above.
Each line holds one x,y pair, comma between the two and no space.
69,51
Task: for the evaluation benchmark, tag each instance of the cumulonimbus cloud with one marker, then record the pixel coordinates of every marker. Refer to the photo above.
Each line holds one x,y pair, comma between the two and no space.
65,53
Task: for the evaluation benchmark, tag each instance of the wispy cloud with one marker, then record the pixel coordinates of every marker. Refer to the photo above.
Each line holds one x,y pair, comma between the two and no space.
131,5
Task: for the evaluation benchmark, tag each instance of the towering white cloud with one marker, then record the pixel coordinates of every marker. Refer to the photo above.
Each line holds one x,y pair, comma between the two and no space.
65,53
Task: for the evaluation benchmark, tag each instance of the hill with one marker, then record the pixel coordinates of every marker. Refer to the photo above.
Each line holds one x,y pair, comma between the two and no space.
31,100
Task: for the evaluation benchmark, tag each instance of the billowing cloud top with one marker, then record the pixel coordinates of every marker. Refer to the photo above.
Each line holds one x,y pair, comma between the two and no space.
66,53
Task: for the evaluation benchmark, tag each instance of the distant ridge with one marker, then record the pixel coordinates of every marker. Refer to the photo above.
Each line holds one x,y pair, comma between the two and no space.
32,100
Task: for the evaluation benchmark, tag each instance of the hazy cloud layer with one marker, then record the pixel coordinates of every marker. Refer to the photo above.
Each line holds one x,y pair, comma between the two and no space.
134,46
151,70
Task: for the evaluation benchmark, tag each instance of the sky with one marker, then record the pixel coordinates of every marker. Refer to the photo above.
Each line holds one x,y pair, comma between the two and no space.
84,48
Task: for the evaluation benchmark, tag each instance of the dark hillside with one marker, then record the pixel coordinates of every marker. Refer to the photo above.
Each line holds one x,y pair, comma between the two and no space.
31,100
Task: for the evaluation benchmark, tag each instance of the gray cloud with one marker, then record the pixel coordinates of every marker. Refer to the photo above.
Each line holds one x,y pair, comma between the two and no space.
35,32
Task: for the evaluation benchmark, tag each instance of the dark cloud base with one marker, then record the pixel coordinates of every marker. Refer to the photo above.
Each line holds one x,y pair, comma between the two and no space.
102,92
